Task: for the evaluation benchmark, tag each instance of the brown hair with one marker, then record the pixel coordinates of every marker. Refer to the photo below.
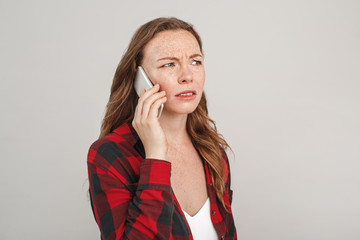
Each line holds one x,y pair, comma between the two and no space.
123,100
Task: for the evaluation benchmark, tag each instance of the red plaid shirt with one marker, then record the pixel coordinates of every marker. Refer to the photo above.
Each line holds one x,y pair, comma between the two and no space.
131,197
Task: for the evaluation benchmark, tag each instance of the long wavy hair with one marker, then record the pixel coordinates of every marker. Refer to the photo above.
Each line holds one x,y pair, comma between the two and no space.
123,99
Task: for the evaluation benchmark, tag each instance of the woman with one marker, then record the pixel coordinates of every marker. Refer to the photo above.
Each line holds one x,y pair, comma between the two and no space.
161,178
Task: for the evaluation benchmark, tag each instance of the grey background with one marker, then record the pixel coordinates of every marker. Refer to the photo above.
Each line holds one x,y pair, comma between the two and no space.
282,83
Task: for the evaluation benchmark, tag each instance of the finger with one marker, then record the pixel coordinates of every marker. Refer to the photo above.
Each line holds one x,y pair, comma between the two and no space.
142,91
138,108
140,105
144,95
149,102
141,98
155,107
149,92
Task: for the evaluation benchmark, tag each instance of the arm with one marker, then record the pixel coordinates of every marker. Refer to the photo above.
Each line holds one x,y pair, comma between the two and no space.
146,214
119,215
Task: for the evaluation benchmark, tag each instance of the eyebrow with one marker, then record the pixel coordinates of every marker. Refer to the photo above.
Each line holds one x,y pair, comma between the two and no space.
175,58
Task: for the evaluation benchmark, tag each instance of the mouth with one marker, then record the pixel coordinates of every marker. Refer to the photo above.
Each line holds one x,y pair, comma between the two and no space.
186,93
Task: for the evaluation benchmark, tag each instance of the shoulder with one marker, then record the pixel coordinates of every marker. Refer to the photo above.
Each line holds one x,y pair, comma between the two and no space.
118,145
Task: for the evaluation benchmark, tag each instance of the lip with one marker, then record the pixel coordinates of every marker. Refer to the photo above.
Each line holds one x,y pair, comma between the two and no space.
187,97
185,92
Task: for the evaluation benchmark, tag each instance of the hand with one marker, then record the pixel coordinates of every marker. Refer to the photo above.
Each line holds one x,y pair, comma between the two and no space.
147,125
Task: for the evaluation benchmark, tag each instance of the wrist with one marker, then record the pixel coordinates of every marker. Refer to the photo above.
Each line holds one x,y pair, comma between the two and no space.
161,155
156,156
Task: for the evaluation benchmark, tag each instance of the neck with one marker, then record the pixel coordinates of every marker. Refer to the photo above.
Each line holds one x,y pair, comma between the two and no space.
174,126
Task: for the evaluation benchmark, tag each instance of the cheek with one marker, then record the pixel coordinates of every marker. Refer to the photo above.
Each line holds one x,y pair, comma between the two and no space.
156,78
165,87
164,80
201,78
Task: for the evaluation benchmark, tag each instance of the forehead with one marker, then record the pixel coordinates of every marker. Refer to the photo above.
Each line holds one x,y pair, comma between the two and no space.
171,43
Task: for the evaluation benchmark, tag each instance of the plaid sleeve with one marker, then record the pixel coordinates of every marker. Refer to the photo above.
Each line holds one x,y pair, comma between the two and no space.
122,209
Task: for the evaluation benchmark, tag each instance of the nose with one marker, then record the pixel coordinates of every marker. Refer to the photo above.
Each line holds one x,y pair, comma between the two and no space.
186,75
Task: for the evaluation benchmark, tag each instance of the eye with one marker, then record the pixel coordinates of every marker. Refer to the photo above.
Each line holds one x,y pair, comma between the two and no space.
169,64
196,62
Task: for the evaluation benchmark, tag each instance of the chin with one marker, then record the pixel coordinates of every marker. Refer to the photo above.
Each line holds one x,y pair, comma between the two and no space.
176,107
180,109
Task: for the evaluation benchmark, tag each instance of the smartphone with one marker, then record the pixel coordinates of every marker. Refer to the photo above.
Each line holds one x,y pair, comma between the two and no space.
143,82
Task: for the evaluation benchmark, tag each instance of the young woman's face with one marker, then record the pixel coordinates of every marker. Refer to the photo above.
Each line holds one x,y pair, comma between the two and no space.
173,60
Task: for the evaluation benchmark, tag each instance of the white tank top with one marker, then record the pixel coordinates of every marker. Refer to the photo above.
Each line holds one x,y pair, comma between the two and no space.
201,226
